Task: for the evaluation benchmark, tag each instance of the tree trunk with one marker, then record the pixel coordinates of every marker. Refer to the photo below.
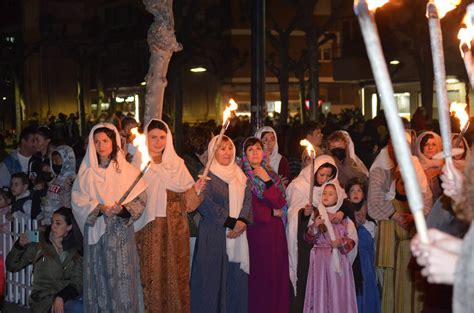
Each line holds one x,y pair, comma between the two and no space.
311,40
178,109
283,79
425,71
302,85
162,44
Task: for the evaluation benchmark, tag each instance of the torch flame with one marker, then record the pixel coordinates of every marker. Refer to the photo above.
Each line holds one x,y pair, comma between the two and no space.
231,107
466,34
375,4
309,147
444,6
140,143
465,37
459,110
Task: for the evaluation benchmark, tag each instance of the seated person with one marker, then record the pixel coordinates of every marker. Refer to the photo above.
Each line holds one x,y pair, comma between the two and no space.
57,264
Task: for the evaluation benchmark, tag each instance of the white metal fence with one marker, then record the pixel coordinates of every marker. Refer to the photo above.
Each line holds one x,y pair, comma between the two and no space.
18,285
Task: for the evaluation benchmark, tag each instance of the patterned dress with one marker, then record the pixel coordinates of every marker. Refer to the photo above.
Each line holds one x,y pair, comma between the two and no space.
111,266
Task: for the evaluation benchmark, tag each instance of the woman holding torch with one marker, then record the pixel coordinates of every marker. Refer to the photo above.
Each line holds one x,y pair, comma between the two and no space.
111,264
220,269
163,230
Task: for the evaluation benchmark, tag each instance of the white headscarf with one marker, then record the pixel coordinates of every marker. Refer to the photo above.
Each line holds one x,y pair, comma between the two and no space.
350,147
237,249
95,185
297,194
384,162
275,157
427,163
170,174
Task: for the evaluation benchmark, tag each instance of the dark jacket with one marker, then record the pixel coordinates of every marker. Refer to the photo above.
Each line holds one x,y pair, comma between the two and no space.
51,276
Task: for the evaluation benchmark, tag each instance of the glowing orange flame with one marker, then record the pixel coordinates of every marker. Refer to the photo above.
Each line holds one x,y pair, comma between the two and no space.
374,4
465,37
460,113
231,107
140,143
444,6
309,147
466,34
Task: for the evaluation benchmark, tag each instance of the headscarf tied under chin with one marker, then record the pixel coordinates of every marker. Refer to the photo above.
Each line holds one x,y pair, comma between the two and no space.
257,185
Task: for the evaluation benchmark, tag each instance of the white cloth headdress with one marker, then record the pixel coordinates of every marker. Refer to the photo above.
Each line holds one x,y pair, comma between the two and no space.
170,174
425,161
350,147
297,194
237,249
275,157
95,185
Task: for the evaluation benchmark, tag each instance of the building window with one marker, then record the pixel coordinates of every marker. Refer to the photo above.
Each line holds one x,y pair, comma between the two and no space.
401,99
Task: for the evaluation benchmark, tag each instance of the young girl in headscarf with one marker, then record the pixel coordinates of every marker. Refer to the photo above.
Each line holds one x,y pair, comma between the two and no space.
220,269
368,295
163,230
268,251
111,264
298,217
277,162
330,287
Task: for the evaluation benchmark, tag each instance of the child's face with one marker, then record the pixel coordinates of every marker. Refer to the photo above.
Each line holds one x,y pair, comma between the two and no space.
323,175
329,197
356,194
3,201
57,160
17,187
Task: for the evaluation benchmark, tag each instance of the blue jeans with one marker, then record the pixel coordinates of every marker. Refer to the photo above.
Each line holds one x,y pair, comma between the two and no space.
74,306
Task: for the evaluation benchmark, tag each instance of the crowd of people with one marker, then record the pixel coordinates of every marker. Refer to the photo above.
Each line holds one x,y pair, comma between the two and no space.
271,228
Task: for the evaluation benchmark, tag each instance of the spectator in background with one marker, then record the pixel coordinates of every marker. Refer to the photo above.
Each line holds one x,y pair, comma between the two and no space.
23,199
313,133
126,136
59,129
42,139
18,160
72,129
63,163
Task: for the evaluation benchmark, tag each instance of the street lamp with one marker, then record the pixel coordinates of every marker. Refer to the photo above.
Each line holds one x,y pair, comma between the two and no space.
198,69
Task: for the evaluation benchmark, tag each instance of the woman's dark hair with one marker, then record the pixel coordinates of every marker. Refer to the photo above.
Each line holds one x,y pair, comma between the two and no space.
74,239
326,165
154,124
251,141
424,140
115,148
356,181
461,145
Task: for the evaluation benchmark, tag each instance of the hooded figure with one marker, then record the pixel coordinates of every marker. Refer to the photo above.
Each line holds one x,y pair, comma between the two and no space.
348,163
163,230
220,257
59,188
330,286
427,145
278,163
111,265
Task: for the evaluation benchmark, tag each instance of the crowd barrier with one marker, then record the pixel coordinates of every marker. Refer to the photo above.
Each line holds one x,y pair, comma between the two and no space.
18,285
